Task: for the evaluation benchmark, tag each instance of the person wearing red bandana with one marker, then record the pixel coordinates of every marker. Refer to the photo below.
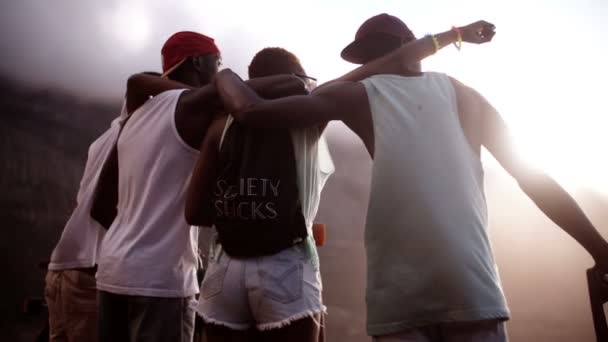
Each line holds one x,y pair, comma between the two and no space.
147,267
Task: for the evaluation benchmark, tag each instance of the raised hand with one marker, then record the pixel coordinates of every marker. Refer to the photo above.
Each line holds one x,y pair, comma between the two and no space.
478,32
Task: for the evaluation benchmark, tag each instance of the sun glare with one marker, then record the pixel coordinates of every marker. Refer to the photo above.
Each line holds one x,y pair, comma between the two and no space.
562,132
556,112
129,24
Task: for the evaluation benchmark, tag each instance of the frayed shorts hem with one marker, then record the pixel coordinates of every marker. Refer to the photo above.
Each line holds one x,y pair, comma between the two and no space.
266,326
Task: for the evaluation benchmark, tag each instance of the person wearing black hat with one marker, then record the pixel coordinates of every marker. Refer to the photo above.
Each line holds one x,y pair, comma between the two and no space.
431,274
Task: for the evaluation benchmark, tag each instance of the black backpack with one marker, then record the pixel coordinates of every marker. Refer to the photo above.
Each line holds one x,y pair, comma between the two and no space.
256,198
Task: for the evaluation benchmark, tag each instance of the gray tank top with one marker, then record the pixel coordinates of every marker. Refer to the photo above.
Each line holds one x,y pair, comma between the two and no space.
428,253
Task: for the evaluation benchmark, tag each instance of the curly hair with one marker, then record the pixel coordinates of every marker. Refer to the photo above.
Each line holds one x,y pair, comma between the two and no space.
274,61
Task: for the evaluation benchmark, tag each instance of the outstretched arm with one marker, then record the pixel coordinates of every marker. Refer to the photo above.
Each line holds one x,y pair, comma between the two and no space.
196,107
143,85
546,193
398,61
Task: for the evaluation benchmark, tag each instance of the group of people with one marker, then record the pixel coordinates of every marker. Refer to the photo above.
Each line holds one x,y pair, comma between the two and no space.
196,148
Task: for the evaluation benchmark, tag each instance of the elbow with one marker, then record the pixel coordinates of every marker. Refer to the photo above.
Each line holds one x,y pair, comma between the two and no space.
133,99
197,217
133,82
243,117
253,113
531,182
191,215
195,220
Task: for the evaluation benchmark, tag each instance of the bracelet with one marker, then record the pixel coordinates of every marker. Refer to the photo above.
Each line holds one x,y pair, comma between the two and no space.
435,42
457,44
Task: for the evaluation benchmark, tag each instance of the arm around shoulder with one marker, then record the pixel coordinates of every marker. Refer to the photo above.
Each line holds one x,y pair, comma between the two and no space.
338,101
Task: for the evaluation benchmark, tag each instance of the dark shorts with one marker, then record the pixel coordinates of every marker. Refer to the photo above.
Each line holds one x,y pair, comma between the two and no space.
125,318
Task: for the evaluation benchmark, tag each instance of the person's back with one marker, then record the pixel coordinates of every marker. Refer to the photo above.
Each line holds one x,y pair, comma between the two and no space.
151,250
149,259
70,291
427,216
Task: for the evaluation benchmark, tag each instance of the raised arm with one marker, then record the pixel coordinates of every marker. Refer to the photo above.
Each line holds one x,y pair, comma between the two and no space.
196,107
398,61
546,193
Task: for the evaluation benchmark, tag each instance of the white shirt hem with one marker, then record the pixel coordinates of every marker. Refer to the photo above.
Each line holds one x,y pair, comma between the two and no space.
135,291
59,266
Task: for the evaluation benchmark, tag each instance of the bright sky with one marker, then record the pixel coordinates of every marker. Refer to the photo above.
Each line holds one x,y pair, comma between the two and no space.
544,71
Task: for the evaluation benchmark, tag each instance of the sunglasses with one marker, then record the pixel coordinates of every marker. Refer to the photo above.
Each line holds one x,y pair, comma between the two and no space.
309,82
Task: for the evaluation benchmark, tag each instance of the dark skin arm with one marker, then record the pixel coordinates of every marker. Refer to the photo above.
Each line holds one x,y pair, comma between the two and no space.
199,209
346,101
544,191
401,60
141,86
191,125
196,107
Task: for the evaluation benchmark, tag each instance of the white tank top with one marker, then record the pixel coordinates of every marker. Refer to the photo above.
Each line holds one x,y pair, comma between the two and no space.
79,243
428,253
150,250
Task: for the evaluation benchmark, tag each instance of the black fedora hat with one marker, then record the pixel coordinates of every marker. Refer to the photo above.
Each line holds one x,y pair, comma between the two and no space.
378,33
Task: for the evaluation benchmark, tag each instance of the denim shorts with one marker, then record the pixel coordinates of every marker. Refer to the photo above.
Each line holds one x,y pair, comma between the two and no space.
264,292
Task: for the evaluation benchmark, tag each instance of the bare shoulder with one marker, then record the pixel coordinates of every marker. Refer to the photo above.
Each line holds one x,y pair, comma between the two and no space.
470,113
470,97
463,90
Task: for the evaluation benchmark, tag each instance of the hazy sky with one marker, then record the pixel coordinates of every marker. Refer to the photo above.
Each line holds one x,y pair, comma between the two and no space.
544,71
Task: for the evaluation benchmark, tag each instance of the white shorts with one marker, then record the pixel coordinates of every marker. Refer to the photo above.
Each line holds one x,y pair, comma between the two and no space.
264,292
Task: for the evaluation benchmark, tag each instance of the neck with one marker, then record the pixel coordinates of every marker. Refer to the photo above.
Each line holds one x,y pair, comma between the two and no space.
411,73
192,81
189,78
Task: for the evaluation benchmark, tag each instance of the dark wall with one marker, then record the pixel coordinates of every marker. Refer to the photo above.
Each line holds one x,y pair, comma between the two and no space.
44,138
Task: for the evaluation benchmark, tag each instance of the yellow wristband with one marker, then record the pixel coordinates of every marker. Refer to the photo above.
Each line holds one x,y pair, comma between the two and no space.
435,42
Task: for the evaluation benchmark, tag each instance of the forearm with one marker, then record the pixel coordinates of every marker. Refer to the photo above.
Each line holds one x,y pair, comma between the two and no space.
141,86
237,95
288,112
398,61
561,208
274,87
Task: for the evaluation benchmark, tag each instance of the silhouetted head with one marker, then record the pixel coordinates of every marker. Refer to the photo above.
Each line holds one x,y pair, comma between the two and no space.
191,58
376,37
277,61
